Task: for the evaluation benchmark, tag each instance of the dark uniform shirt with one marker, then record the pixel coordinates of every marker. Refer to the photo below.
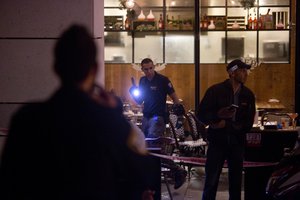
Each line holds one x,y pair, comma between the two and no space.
154,94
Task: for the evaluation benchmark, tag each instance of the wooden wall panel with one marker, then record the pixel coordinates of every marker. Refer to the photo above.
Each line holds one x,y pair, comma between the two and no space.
266,81
117,77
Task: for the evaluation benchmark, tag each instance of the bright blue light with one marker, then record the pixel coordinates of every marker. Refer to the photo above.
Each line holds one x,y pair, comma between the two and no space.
136,92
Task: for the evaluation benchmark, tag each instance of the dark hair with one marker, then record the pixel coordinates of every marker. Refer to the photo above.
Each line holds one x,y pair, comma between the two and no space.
146,60
75,55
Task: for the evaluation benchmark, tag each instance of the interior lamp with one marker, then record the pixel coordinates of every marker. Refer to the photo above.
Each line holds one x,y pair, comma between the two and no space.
129,4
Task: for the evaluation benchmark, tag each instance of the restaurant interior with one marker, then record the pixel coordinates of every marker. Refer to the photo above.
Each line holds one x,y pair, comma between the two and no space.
190,41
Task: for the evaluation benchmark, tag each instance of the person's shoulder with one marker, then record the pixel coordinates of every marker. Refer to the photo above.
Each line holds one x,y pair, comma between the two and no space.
28,117
161,78
30,109
218,85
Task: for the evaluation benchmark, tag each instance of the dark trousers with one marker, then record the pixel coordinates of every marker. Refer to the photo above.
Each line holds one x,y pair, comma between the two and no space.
216,156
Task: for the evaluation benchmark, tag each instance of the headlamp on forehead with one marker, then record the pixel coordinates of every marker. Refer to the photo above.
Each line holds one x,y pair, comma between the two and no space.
232,69
236,64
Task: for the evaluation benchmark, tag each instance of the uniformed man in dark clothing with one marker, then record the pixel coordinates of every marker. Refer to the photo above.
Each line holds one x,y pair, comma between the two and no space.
228,108
154,88
153,91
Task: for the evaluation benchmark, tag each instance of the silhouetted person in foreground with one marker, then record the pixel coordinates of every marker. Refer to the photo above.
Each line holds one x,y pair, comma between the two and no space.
75,145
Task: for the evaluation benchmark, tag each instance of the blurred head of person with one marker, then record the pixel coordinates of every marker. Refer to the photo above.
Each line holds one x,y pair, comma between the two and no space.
75,56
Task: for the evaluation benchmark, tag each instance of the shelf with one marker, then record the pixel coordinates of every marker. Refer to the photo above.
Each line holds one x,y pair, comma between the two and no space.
166,44
165,30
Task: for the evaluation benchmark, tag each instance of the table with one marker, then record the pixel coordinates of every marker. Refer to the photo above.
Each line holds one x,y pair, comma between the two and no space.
264,146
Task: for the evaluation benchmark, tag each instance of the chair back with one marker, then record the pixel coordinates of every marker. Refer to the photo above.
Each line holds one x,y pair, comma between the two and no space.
177,133
197,128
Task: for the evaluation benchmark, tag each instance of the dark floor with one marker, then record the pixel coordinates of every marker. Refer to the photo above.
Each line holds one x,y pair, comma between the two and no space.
192,189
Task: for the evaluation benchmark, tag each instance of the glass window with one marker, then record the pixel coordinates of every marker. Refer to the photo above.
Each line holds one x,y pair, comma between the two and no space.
211,47
149,3
274,2
204,3
148,44
241,44
244,4
117,47
114,19
111,3
179,48
236,18
180,19
274,46
213,11
178,3
233,3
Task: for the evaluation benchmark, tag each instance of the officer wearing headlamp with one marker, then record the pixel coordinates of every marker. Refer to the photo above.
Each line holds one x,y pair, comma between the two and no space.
152,92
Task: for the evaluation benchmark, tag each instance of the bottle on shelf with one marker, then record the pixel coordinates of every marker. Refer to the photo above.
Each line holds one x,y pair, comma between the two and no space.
205,22
260,23
160,22
141,16
179,23
280,25
174,23
235,25
250,22
201,23
211,26
254,22
127,24
167,22
150,16
268,20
